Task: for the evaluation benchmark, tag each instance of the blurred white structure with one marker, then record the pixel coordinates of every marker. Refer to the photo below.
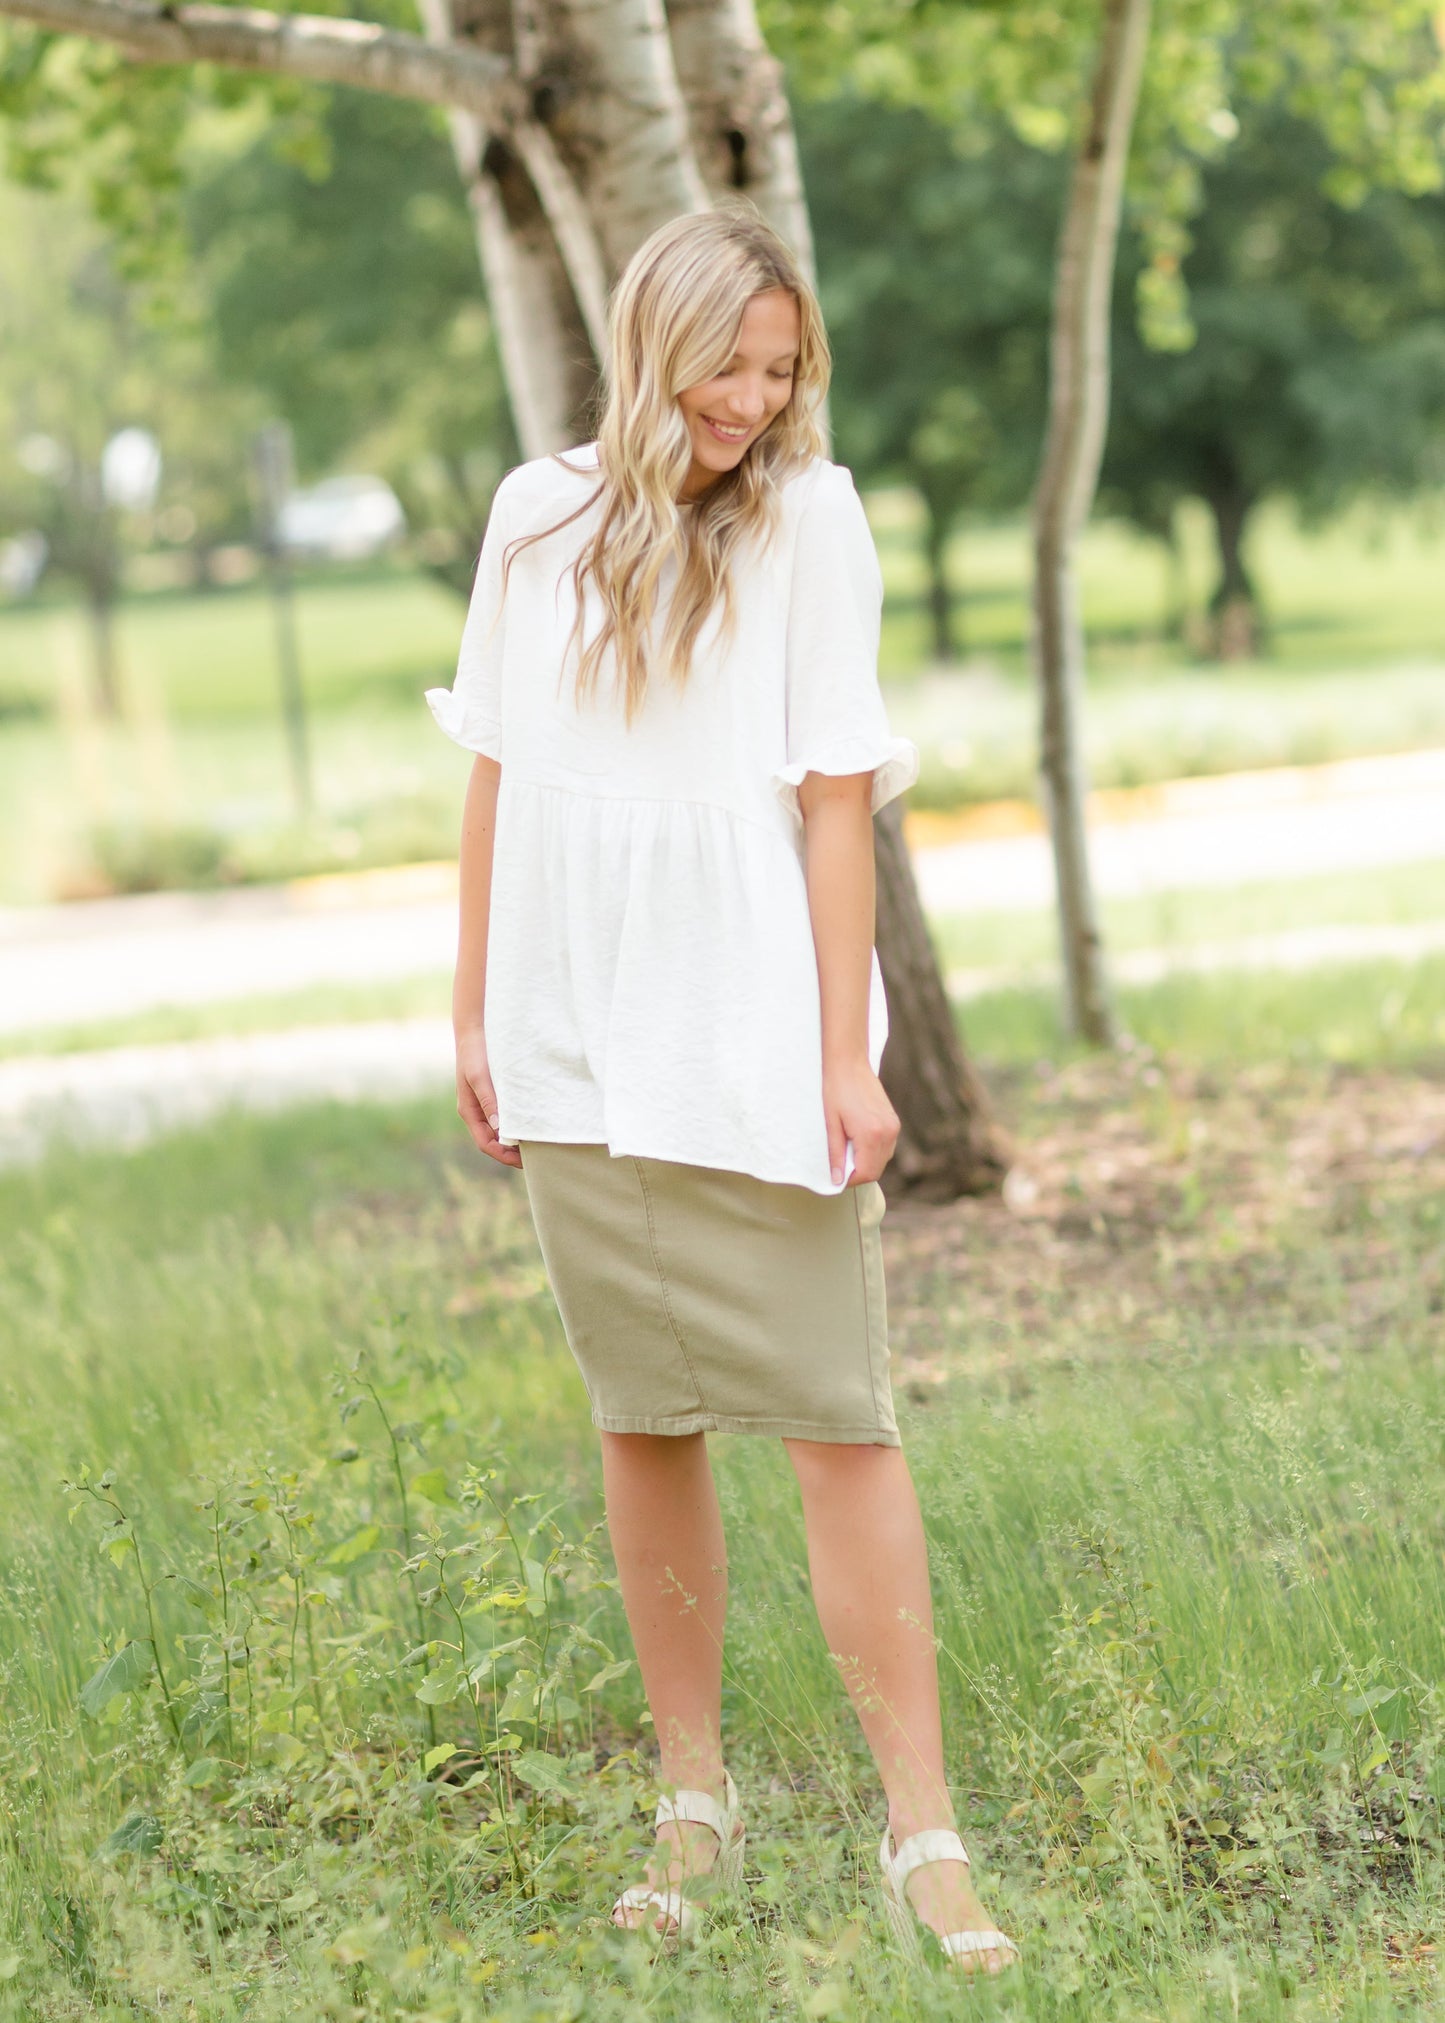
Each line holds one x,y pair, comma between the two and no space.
130,470
22,562
345,519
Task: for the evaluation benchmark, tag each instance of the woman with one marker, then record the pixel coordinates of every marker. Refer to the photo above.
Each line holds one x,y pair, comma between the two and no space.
669,1011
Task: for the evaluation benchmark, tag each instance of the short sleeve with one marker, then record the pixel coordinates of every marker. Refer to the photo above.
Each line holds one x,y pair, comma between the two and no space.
470,711
836,722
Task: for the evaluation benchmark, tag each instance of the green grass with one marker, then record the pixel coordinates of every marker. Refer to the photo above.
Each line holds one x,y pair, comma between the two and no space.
1179,1455
321,1004
1341,1012
1185,919
1354,667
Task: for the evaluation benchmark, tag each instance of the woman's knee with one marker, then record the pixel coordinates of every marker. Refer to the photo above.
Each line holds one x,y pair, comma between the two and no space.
841,1466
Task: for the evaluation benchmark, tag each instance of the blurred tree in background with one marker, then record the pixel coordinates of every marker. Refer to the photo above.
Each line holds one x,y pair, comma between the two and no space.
342,278
84,355
1317,369
935,262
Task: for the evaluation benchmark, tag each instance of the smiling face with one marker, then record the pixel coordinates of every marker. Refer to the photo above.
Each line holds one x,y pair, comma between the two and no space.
726,415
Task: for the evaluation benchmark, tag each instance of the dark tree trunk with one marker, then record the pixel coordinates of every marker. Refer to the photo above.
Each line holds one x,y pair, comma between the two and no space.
949,1144
100,607
1176,582
940,598
1235,628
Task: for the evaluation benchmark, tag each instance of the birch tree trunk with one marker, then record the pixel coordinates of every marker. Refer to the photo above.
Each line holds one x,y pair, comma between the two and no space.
545,351
1068,478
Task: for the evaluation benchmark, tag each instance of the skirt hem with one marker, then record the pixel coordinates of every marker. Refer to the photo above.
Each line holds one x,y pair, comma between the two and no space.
775,1429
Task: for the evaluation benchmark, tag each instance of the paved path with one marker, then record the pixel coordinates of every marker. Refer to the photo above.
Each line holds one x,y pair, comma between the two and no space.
1292,822
106,958
127,1095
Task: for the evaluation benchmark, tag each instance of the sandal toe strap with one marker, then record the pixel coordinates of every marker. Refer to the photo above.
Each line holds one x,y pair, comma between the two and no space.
935,1843
671,1903
956,1944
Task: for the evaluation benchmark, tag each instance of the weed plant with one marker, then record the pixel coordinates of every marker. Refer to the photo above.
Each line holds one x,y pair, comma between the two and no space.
317,1699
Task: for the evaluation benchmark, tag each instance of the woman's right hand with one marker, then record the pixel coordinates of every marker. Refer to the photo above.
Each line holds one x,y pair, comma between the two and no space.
477,1099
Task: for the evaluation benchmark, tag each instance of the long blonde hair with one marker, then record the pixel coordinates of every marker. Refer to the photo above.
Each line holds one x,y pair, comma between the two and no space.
673,323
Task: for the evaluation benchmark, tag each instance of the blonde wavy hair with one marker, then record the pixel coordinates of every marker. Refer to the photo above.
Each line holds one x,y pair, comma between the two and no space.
673,323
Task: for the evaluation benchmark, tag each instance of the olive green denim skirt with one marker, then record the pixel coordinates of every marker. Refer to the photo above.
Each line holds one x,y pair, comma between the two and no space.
702,1301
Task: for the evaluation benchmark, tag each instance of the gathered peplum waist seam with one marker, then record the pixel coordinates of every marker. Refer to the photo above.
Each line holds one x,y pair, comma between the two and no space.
781,830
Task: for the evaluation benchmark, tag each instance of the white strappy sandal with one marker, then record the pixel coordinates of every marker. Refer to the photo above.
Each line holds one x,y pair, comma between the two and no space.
897,1865
726,1873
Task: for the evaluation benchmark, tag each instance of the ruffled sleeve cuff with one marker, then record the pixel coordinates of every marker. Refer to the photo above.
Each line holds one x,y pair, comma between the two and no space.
464,723
893,763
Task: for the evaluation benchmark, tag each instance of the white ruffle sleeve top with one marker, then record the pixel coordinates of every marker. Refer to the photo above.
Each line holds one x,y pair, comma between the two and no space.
651,981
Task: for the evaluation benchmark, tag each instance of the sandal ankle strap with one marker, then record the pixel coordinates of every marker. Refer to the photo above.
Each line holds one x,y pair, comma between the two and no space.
700,1808
935,1843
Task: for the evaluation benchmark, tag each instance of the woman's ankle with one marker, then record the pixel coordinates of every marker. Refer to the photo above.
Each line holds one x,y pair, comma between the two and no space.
905,1821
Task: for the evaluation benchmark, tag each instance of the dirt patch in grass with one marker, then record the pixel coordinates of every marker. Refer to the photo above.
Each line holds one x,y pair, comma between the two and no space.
1156,1210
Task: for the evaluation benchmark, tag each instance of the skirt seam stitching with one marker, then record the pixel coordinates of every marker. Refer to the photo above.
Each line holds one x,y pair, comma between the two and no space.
663,1285
867,1308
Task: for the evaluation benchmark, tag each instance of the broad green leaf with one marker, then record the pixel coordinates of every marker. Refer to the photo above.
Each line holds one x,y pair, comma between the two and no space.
199,1597
352,1548
440,1686
432,1484
521,1695
543,1772
607,1675
205,1770
443,1753
536,1587
483,1667
140,1834
126,1672
1366,1703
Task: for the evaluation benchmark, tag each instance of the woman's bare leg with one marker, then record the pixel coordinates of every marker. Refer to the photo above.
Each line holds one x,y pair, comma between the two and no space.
869,1565
667,1539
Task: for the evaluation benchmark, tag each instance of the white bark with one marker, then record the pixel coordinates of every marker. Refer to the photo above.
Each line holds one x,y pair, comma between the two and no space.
526,287
1068,478
742,127
620,122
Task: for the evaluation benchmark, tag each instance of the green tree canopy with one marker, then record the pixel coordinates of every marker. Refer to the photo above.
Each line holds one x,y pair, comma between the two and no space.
1318,366
935,263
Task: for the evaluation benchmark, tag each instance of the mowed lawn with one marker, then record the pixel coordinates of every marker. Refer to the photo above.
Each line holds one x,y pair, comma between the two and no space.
195,786
316,1700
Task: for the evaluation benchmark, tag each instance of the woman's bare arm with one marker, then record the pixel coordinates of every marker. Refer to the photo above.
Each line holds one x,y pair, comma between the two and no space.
838,826
476,1098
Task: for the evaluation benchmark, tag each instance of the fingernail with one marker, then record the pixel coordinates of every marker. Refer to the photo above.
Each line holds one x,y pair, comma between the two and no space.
837,1173
492,1119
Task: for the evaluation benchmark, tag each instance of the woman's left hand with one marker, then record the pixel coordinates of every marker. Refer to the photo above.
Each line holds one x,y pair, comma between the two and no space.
856,1106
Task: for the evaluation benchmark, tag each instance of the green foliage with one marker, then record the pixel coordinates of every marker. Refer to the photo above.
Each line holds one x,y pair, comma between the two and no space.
1188,1593
348,291
1318,367
935,266
1367,77
437,1588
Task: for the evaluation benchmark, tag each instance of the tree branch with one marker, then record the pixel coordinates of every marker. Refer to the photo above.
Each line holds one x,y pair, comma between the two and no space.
323,50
